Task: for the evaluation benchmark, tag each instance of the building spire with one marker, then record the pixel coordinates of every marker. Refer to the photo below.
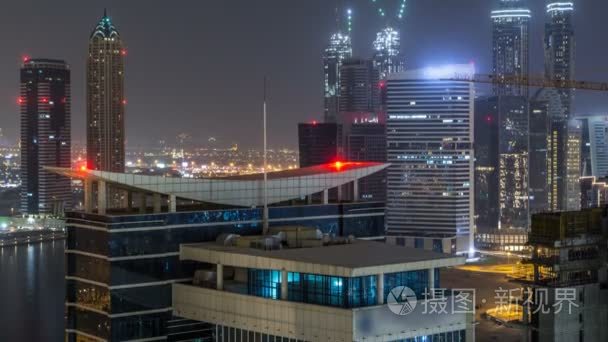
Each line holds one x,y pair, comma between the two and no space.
105,12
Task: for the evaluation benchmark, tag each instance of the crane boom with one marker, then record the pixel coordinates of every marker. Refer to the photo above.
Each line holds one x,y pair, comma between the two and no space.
532,81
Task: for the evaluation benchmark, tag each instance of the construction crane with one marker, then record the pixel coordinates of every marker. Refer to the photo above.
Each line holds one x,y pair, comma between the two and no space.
383,13
532,81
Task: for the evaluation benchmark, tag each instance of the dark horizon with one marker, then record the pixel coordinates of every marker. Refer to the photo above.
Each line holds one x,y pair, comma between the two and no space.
198,68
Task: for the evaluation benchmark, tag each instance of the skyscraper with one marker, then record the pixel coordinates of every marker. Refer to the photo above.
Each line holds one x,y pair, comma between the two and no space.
45,135
560,49
510,45
338,50
487,211
387,52
501,156
555,166
105,99
564,147
429,147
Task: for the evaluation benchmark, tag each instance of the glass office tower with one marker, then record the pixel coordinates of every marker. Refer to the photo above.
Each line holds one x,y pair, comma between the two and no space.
429,139
44,103
510,45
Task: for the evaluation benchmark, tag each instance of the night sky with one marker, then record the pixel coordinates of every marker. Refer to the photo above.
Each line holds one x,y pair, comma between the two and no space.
197,66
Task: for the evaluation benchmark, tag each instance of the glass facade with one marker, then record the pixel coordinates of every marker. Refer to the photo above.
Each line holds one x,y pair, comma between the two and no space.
135,258
342,292
332,291
264,283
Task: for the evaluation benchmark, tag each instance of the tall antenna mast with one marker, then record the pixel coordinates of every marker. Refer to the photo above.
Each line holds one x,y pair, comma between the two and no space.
265,214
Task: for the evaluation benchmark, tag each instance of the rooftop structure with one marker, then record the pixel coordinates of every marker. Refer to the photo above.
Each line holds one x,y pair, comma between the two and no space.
303,285
239,191
350,259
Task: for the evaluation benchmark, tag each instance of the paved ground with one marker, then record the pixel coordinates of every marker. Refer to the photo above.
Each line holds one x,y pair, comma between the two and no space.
481,278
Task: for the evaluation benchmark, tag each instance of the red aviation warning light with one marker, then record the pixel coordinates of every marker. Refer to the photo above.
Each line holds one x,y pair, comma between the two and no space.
123,52
20,100
25,58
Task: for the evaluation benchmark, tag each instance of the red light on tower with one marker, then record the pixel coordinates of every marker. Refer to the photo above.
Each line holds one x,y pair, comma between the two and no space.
381,84
314,122
20,100
338,165
25,58
44,100
123,52
124,101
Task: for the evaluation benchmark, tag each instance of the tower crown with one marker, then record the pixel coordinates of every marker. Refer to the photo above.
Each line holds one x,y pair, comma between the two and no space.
105,28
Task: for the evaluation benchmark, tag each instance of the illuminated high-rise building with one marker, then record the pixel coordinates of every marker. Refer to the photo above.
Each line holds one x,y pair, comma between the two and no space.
560,49
338,50
510,45
430,150
501,157
387,52
565,136
105,99
45,135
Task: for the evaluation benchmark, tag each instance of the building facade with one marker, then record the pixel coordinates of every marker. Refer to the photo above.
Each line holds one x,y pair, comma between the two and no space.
106,99
560,49
122,262
540,128
510,45
45,104
487,162
501,157
366,142
319,143
430,150
555,181
338,50
359,87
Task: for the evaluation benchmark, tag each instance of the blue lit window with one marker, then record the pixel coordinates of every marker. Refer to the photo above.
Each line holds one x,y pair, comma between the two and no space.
264,283
332,291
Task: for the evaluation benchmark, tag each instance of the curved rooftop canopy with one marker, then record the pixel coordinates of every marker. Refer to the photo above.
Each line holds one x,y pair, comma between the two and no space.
241,191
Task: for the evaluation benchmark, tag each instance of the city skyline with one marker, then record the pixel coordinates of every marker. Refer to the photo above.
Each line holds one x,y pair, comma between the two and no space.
205,97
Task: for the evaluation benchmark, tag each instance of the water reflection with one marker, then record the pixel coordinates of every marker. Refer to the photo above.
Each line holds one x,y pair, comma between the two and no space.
32,292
